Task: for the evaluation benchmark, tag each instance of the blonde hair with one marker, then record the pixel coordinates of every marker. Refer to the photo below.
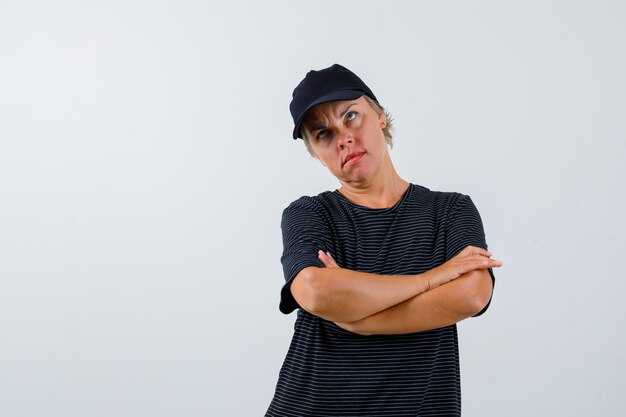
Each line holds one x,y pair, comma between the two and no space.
387,130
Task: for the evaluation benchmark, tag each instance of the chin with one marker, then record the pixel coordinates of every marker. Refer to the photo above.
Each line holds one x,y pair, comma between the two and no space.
361,178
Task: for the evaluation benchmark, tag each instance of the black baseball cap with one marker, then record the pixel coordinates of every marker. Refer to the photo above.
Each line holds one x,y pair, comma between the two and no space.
329,84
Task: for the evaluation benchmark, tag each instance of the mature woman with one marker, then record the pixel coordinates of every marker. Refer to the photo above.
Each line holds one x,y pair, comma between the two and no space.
380,270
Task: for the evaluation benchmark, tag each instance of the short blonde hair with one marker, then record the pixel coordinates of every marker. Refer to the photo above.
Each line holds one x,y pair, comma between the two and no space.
387,130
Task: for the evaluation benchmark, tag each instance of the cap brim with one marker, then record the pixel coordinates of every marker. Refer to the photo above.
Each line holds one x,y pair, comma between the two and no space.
334,96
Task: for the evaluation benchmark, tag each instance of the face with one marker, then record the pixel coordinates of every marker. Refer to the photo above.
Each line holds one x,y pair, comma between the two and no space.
347,137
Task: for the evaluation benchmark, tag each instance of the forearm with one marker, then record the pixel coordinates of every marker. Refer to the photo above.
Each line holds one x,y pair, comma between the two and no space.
439,307
344,295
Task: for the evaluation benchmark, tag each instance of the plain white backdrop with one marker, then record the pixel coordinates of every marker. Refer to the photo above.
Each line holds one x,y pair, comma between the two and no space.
146,158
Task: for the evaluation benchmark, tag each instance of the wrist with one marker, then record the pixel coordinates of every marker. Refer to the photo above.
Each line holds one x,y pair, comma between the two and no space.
424,281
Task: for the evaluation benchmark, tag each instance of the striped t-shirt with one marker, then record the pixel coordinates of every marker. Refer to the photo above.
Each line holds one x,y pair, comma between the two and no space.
329,371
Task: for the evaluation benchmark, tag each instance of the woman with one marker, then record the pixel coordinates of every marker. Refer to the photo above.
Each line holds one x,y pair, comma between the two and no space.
379,269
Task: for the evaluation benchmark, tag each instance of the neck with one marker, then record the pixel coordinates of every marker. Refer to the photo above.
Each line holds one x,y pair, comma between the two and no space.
382,193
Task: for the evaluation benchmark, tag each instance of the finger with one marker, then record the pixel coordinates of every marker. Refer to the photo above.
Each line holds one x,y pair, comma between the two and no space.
479,251
323,258
465,252
331,260
470,250
475,250
487,263
475,262
326,259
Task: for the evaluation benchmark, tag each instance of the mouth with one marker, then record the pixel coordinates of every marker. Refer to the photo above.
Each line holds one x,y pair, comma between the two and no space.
353,158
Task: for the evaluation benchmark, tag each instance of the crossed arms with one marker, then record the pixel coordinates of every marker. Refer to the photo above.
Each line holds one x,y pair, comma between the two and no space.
368,304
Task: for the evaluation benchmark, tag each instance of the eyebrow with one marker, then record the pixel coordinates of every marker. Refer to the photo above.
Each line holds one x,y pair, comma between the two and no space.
316,127
346,109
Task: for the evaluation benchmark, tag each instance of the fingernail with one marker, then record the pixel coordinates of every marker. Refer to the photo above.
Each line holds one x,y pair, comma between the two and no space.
321,252
328,253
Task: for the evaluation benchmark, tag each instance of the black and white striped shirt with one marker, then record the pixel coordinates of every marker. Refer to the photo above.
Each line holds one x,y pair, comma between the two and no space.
329,371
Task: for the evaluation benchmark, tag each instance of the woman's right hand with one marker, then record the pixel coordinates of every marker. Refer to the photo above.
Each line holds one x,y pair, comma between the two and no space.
467,260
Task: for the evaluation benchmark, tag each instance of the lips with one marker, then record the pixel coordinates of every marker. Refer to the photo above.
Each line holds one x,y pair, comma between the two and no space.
354,155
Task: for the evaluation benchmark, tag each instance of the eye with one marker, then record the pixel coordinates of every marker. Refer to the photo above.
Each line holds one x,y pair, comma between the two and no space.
322,134
350,115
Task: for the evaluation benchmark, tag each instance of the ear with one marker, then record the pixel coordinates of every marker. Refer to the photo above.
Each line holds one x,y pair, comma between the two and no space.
382,118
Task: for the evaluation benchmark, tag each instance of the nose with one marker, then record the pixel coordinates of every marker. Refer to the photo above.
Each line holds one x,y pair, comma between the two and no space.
345,137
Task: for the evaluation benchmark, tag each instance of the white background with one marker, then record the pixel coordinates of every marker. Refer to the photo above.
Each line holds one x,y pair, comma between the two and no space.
146,157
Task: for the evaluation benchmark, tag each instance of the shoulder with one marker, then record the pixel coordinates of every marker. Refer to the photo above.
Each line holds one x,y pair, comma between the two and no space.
309,202
308,206
442,202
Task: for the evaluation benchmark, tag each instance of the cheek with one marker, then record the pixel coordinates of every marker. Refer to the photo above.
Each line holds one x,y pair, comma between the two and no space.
332,161
322,155
370,132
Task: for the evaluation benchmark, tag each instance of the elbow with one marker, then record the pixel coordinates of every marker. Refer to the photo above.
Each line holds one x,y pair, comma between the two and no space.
354,327
478,303
479,293
308,290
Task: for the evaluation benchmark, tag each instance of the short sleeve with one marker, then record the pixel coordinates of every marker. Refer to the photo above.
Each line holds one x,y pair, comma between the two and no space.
304,233
465,228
